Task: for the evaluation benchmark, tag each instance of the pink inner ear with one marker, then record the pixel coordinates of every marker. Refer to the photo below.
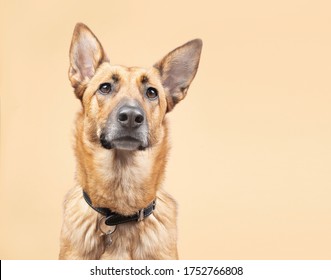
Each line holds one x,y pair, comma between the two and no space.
86,70
180,66
178,69
179,74
86,55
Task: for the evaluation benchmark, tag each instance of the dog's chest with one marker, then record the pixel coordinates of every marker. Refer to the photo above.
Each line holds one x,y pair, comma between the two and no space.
145,240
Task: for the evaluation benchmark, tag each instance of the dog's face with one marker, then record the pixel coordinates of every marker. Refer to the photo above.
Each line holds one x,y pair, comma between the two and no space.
124,108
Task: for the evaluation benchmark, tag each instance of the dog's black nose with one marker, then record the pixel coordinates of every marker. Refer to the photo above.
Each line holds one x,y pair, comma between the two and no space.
130,117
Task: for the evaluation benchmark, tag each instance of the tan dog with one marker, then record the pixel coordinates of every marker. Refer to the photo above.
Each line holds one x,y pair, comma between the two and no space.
121,148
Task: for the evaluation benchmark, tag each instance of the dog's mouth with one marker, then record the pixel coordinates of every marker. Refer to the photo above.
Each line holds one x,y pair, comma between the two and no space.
128,143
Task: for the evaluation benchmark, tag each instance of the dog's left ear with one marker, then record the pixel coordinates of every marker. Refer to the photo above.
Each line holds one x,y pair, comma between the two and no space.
177,70
86,55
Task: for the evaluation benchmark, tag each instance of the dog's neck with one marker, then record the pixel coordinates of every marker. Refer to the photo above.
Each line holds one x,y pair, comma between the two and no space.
123,181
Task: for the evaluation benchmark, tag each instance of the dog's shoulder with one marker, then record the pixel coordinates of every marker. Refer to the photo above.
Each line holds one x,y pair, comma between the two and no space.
166,205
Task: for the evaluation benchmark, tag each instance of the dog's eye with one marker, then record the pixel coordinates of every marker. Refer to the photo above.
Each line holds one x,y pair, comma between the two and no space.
152,93
105,88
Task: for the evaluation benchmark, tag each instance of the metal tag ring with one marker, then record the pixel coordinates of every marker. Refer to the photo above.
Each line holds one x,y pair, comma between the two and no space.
105,229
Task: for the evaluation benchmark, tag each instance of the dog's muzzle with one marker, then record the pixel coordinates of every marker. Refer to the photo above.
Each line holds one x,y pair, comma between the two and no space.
126,129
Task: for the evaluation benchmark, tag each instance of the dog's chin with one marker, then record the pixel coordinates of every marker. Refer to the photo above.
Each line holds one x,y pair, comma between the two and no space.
124,143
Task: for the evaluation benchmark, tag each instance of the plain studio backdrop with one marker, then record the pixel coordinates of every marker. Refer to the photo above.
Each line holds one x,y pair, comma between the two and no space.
250,164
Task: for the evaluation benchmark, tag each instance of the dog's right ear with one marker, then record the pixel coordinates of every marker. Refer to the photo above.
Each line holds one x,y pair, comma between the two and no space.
86,55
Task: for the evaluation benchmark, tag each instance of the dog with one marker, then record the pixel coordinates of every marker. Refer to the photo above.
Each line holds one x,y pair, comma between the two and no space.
118,208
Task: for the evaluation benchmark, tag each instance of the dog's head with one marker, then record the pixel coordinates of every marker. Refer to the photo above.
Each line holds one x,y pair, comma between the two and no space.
123,107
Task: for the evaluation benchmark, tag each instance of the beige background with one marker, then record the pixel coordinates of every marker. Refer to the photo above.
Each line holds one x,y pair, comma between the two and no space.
251,160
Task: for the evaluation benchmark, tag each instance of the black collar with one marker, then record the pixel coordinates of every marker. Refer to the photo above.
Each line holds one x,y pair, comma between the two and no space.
113,219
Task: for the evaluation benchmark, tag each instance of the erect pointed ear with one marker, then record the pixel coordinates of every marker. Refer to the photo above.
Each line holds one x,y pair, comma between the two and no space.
86,54
177,70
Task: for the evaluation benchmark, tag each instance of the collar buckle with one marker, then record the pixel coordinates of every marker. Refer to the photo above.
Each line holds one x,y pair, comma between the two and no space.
141,215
